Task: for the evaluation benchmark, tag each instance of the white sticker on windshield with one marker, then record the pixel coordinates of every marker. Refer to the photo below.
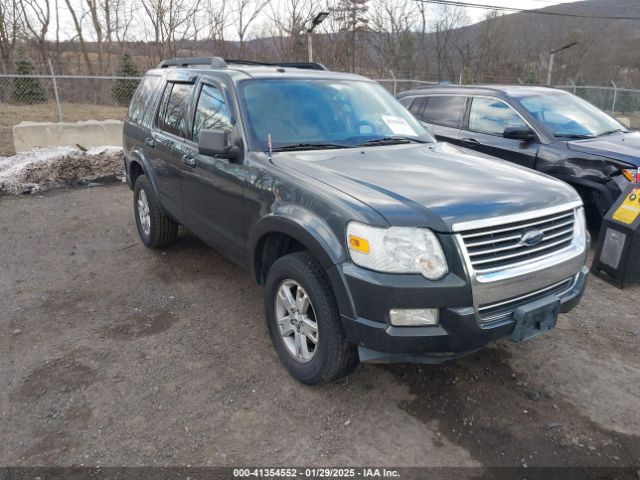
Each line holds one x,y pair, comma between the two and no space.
398,125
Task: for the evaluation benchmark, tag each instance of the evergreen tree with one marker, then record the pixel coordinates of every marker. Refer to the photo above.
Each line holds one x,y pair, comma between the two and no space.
123,90
27,90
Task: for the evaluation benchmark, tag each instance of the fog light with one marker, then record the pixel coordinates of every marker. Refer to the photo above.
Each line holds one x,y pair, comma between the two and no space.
414,317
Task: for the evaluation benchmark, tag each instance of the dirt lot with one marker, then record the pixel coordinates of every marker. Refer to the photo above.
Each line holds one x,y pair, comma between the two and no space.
113,354
11,115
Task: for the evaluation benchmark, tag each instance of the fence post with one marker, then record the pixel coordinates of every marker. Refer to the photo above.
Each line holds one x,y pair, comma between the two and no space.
395,83
615,95
573,85
55,91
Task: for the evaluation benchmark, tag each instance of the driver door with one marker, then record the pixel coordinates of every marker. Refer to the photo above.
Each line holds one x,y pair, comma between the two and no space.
484,126
213,188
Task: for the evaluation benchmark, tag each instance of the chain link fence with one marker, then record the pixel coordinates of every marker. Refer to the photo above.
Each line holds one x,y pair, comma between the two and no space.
65,98
46,98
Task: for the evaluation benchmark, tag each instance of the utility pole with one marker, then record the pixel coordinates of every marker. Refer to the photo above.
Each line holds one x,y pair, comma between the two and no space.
552,54
317,20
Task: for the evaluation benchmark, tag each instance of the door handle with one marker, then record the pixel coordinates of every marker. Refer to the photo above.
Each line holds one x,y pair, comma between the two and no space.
150,142
189,160
470,140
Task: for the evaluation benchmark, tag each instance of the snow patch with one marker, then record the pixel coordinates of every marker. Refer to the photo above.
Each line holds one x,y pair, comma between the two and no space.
45,168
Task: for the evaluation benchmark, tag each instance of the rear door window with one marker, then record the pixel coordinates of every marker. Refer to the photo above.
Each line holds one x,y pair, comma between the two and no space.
446,110
142,99
492,116
172,117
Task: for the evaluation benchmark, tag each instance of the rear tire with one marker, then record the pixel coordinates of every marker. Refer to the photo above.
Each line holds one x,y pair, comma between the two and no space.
312,305
156,230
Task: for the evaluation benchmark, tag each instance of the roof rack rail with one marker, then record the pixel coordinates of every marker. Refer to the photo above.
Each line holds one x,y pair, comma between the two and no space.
213,62
303,65
218,62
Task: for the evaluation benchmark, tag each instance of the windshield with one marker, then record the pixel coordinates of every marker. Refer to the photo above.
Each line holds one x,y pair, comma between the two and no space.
307,114
568,115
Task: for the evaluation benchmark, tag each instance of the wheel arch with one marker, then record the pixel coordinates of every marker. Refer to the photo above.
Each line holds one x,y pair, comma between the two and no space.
584,185
277,235
139,165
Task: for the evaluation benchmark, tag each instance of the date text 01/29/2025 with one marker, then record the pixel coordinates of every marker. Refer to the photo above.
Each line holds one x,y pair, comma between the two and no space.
315,473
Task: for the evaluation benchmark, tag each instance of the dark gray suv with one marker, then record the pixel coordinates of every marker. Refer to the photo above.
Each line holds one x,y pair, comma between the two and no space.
543,128
373,241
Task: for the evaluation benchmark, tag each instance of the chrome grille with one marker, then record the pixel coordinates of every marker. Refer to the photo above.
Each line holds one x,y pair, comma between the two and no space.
497,247
501,310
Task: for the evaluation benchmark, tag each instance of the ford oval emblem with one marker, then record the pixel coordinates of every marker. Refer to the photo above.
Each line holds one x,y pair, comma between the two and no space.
531,238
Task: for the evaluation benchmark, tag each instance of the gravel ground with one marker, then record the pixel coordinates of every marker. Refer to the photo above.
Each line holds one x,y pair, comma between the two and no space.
114,354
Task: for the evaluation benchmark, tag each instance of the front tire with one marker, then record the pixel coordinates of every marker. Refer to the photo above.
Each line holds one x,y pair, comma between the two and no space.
304,322
156,230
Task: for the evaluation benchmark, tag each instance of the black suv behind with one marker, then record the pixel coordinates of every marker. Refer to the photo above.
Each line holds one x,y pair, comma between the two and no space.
373,241
543,128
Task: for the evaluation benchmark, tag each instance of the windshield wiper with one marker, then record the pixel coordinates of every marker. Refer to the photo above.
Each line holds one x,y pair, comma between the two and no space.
308,146
573,135
609,132
395,140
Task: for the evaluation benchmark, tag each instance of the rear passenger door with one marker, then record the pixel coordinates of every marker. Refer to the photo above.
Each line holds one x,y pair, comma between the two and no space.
443,114
163,148
214,187
484,127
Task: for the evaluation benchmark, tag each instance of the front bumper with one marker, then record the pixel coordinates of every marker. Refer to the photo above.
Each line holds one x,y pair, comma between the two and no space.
459,332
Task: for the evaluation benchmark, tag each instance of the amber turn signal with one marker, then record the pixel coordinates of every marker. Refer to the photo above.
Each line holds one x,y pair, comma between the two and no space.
358,244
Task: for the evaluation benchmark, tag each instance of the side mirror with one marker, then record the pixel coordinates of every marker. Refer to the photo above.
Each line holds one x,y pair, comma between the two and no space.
519,133
215,143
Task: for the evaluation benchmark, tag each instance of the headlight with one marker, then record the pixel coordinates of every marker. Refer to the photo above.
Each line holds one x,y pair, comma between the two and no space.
633,175
397,250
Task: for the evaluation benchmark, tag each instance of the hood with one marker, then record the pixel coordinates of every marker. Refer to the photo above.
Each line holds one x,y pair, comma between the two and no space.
618,146
434,185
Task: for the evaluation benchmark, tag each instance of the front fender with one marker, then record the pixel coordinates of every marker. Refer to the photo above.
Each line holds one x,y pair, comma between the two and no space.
315,234
304,226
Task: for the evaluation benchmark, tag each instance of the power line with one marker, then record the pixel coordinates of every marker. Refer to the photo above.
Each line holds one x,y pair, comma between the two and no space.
556,2
584,4
459,3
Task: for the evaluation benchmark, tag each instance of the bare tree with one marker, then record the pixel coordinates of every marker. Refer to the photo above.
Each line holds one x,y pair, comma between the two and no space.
77,22
9,31
243,16
446,21
36,18
287,26
217,25
392,36
172,22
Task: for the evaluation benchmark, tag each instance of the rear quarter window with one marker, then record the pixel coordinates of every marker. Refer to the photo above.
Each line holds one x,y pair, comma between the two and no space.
417,107
406,101
142,99
446,110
